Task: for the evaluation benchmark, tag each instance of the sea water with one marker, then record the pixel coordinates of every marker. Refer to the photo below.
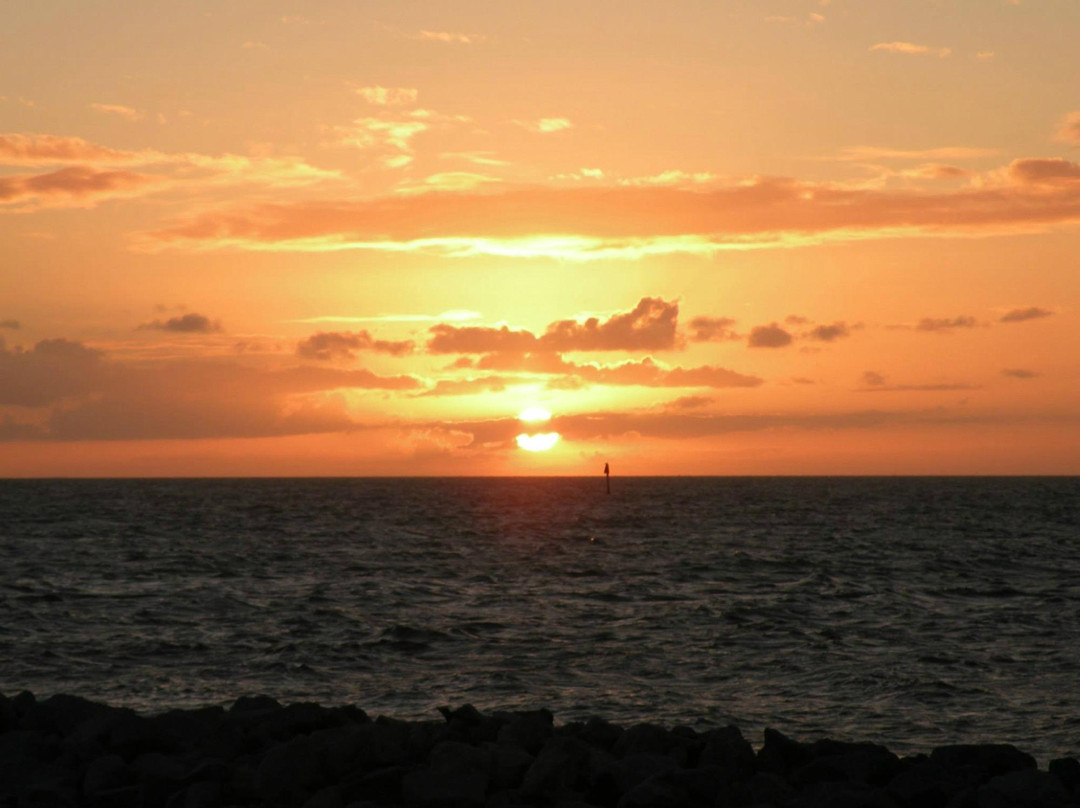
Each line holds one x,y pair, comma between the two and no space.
909,611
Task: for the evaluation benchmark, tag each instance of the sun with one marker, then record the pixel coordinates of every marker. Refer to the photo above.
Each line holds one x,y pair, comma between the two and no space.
537,441
540,442
533,415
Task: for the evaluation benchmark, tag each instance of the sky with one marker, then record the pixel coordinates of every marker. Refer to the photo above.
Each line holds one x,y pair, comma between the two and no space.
733,237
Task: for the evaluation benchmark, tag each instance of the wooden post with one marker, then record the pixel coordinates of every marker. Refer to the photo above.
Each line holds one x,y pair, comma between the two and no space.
607,477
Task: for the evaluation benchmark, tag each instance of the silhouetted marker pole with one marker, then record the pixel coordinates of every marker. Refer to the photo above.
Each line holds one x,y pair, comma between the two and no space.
607,477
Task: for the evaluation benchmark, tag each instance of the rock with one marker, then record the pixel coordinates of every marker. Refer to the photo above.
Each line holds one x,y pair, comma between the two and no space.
633,770
643,739
985,760
561,768
600,733
782,755
1067,770
288,772
844,794
509,763
197,795
529,730
863,763
926,784
247,705
675,788
432,789
105,773
727,748
767,788
329,797
1024,789
378,787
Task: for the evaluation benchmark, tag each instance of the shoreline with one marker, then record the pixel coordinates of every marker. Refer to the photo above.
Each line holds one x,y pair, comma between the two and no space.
66,750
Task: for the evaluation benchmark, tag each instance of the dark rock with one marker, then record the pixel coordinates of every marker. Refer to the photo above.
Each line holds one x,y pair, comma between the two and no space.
338,748
435,789
48,795
561,769
122,797
863,763
633,770
295,719
985,760
1067,770
156,767
644,739
727,748
1024,789
843,795
767,788
288,772
329,797
675,788
378,787
197,795
529,730
927,784
782,755
104,774
600,733
509,763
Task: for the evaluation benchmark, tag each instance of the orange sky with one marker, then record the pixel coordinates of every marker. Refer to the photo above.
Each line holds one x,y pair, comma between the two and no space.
734,237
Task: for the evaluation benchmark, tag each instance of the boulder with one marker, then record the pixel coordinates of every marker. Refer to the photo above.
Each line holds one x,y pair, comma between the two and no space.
600,733
727,748
926,784
843,794
107,772
288,772
561,769
985,761
782,755
529,730
644,739
1067,770
1024,789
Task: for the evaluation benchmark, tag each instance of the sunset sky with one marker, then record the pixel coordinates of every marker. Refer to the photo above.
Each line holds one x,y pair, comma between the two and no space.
251,237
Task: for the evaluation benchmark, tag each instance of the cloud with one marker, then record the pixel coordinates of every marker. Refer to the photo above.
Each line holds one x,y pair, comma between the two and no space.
54,369
945,324
327,345
910,49
768,336
450,36
673,177
713,329
829,333
873,379
546,125
75,185
117,109
1019,373
454,315
644,372
1020,315
19,149
876,383
1069,131
1044,171
110,400
586,222
190,323
388,96
14,325
650,325
869,153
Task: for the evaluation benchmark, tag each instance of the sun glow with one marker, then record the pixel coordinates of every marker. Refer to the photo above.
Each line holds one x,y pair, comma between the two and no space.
534,415
540,442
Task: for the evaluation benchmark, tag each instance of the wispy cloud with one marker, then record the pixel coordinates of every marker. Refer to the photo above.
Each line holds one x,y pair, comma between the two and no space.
910,49
1069,130
450,36
388,96
128,113
546,125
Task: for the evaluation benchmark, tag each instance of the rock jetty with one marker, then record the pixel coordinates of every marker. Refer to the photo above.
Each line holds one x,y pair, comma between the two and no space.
67,751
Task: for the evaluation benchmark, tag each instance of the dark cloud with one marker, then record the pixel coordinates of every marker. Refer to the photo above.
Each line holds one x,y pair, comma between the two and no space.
796,319
105,400
73,183
873,379
14,325
769,336
690,402
53,370
1019,373
650,325
829,333
1020,315
713,329
190,323
1051,170
327,345
945,324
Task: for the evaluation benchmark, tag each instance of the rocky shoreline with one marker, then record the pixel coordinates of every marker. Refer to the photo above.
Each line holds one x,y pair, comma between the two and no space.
67,751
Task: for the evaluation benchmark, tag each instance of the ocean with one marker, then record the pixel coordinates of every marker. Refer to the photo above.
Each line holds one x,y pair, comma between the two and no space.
912,612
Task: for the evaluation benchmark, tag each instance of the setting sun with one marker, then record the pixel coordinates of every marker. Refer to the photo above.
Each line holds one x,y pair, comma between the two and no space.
540,442
534,415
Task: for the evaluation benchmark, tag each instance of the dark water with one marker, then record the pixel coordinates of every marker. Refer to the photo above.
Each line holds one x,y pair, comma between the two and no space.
913,612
